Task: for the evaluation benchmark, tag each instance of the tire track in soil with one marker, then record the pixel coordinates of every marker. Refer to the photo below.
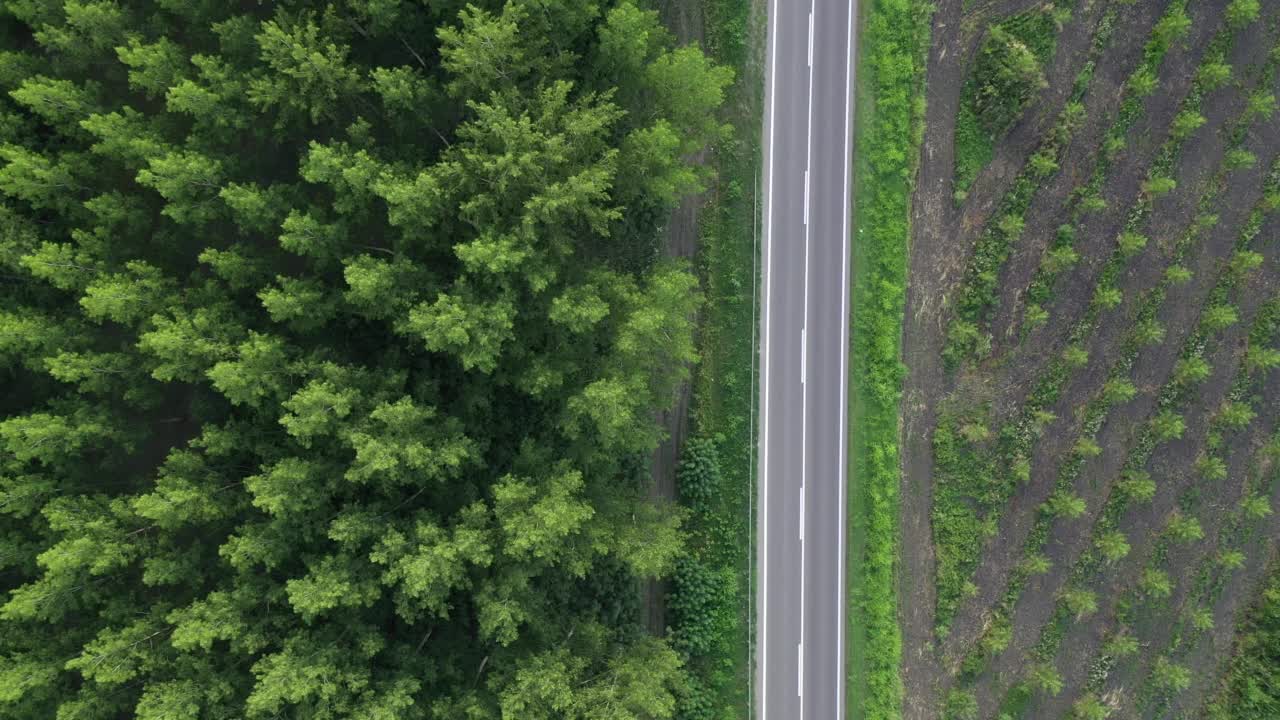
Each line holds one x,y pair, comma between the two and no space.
1096,232
1200,159
1037,603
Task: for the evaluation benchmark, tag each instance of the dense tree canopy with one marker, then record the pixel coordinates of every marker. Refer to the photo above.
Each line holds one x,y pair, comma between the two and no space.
330,336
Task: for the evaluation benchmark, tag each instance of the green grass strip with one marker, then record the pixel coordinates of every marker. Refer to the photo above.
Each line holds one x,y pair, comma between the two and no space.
894,37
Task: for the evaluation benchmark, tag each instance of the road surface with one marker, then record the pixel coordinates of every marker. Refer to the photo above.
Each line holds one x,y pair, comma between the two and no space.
804,341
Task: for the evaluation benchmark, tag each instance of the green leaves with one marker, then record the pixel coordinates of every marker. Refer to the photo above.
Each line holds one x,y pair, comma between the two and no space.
539,520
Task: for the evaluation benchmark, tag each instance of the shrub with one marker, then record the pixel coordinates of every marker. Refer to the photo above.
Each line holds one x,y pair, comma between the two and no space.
1261,359
698,476
1043,164
1235,413
1191,370
701,605
1093,203
1202,619
961,705
1107,297
1255,507
1231,559
1036,564
1186,122
1065,504
1211,467
1177,274
1213,75
1080,603
1171,676
1245,261
1036,315
1184,529
1167,425
1158,185
1131,243
1117,391
1142,82
1237,158
1060,258
1262,104
1149,332
1121,645
1075,356
1087,448
1242,12
1045,678
1089,707
1113,545
1007,75
1155,583
1219,317
1137,486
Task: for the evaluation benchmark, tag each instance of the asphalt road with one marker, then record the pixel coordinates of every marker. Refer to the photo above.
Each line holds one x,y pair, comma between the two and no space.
804,341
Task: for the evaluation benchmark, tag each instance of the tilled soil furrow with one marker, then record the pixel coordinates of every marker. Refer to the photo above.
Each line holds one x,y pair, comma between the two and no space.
1001,555
935,269
1068,539
1202,152
1012,152
1081,645
1211,651
1096,232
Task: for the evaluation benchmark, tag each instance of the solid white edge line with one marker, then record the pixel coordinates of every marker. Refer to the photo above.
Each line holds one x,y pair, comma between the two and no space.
763,488
804,390
844,359
803,349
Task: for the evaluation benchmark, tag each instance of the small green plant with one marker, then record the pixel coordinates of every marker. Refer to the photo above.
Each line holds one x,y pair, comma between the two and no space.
1158,186
1244,262
1261,359
1080,602
1211,468
1093,203
1170,676
1155,583
1036,564
1255,507
1075,356
1137,486
1184,529
1036,316
1043,164
961,705
1149,332
1142,82
1113,545
1045,678
1202,619
1231,559
1186,122
1120,645
975,432
1242,12
1118,391
1089,707
1177,274
1191,370
1220,317
1087,447
1167,425
1237,158
1107,298
997,637
1235,413
1214,74
1065,504
1060,258
1131,243
1262,104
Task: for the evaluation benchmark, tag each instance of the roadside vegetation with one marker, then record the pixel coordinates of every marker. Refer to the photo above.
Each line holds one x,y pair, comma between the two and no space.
710,605
1102,470
332,336
890,67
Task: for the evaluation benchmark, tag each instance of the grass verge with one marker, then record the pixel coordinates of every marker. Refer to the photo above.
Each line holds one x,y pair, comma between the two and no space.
889,112
711,600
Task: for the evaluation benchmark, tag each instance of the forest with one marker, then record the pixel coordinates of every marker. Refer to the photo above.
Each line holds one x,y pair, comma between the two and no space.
331,336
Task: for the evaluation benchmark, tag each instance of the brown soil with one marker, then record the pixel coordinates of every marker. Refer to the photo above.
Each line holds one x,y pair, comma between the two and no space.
1198,161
